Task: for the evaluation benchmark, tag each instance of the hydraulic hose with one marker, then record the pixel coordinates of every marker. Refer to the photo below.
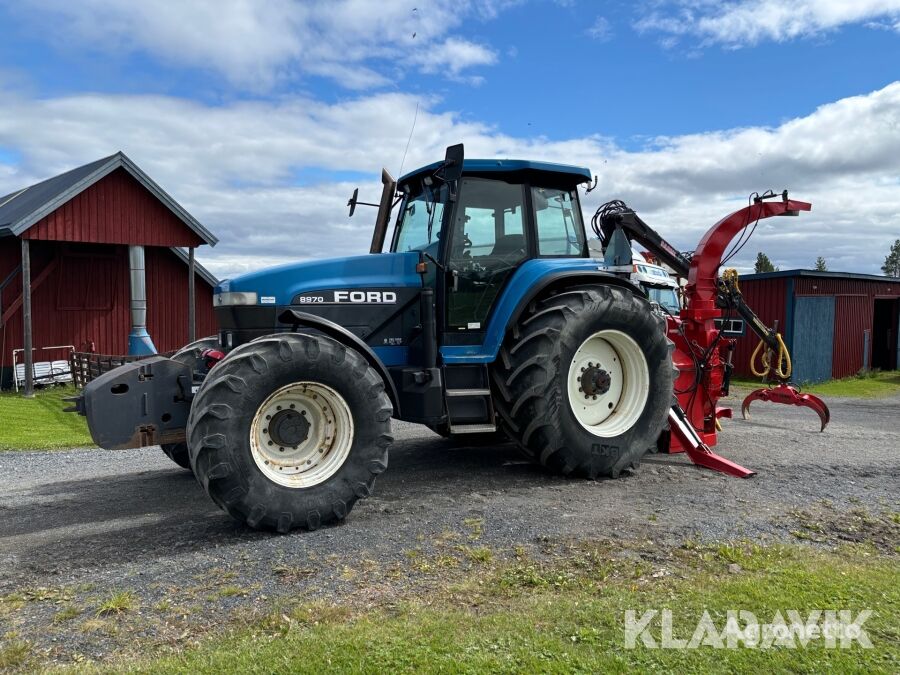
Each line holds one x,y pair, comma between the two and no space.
782,368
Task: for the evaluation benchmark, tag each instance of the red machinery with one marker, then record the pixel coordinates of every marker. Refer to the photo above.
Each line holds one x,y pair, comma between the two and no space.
702,356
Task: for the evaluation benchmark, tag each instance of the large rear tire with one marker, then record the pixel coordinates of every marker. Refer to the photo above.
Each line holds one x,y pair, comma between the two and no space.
583,382
290,431
190,355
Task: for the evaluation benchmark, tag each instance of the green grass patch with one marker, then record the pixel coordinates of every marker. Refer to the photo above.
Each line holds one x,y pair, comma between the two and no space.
39,423
871,384
568,615
14,654
117,603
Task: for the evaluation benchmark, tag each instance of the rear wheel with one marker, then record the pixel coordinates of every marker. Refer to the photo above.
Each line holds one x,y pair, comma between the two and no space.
583,382
290,431
189,354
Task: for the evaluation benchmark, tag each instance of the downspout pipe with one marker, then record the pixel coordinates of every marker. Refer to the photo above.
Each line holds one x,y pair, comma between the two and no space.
139,341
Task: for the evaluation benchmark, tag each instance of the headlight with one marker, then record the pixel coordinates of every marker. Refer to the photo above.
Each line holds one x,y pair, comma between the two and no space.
236,298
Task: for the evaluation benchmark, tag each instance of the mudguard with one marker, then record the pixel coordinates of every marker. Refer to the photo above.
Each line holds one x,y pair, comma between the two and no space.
139,404
303,319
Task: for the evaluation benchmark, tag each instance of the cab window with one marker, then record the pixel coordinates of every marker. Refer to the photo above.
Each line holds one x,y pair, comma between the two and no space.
560,229
419,223
667,297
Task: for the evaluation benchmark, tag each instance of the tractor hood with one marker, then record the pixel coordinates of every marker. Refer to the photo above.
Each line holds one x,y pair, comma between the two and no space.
280,285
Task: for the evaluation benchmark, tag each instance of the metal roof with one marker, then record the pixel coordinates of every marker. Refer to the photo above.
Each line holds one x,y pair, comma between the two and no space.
782,274
507,166
21,209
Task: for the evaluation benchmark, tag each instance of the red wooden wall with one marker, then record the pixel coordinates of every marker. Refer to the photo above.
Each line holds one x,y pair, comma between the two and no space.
86,298
115,210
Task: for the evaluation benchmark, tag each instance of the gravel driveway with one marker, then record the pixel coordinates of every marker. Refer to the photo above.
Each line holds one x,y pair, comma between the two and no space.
80,524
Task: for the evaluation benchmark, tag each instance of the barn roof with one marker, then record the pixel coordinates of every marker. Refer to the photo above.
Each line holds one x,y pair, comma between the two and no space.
21,209
783,274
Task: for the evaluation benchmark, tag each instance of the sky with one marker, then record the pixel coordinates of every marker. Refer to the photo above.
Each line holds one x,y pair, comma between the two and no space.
260,118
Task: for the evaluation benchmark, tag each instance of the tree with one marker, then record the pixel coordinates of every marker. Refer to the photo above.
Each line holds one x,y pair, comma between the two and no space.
891,265
820,265
763,264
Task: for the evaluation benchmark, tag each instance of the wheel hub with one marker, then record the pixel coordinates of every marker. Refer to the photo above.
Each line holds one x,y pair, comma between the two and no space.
608,383
301,434
595,381
289,427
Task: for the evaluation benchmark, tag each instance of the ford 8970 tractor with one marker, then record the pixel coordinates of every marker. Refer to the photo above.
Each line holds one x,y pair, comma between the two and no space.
486,317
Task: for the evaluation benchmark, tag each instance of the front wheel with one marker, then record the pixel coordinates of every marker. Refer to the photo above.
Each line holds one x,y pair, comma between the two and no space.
290,431
583,382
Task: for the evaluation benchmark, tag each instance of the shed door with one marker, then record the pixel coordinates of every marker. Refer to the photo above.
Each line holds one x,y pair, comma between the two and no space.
852,334
813,338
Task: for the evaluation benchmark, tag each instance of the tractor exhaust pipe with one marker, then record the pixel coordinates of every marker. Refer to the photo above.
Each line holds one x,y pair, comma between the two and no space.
139,341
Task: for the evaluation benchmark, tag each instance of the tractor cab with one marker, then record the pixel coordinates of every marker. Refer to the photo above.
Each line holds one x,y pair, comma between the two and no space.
483,223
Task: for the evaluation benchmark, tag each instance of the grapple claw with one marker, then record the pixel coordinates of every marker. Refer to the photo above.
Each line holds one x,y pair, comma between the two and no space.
789,395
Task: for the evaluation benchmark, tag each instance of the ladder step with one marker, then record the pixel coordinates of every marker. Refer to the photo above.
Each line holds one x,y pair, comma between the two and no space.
472,428
468,392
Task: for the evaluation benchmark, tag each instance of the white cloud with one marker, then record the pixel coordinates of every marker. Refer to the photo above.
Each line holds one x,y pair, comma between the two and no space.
601,29
243,169
455,55
358,43
748,22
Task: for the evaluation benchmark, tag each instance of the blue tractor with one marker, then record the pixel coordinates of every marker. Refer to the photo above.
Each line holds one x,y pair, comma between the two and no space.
486,318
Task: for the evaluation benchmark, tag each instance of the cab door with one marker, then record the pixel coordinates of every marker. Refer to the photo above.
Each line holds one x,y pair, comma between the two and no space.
487,241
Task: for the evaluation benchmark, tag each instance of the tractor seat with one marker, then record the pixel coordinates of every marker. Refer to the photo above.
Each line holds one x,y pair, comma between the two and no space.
509,244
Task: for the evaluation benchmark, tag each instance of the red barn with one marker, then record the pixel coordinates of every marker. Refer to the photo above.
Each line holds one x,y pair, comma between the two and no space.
91,242
834,323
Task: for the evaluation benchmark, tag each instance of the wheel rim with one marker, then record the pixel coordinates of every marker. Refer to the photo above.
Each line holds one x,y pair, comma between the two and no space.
301,434
608,383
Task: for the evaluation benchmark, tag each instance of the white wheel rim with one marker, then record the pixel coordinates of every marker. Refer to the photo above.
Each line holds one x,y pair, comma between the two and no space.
608,383
301,434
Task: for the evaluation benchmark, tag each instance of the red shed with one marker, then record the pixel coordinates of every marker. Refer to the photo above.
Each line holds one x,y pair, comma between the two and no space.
104,247
834,323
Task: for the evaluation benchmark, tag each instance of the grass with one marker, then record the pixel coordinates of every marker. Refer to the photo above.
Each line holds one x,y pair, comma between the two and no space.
14,654
525,615
871,384
67,613
39,423
117,603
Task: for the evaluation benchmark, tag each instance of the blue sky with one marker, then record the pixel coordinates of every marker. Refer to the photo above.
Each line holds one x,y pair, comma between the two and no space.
261,117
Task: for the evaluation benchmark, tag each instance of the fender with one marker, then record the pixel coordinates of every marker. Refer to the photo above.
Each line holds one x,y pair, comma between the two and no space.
569,278
302,319
533,278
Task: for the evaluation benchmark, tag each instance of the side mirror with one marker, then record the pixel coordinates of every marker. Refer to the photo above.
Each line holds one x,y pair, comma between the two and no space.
352,203
453,163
